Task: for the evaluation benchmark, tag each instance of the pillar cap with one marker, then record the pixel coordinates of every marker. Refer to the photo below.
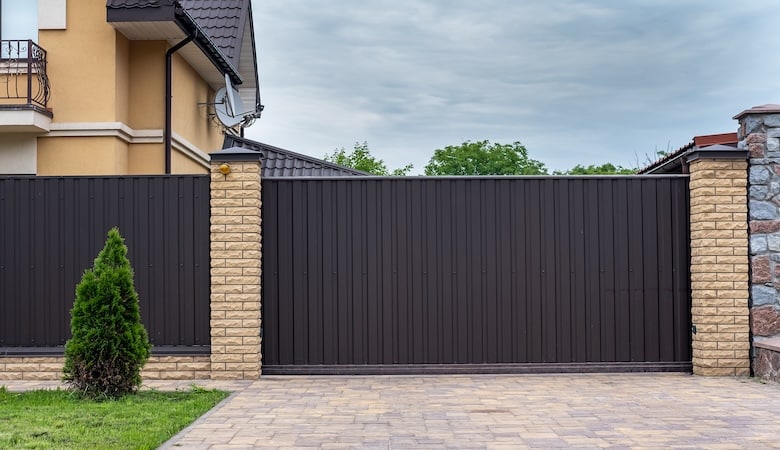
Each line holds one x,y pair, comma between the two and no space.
762,109
717,151
236,154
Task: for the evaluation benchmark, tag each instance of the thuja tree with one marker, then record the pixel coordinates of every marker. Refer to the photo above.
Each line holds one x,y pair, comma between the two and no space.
109,346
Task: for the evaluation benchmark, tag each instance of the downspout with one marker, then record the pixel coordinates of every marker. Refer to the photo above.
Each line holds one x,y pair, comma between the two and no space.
169,98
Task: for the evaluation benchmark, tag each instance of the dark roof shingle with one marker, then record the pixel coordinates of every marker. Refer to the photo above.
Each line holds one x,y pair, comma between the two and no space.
223,21
278,162
134,3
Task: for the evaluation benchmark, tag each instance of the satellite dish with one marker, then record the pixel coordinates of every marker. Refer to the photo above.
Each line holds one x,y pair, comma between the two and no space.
228,105
229,97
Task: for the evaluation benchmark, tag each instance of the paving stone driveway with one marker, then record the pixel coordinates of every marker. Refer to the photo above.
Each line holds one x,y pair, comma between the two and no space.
488,411
494,411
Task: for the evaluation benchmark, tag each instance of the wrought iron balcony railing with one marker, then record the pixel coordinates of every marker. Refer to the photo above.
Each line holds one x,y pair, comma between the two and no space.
23,78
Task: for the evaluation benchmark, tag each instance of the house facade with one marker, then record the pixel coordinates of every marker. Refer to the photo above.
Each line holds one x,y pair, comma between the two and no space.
116,87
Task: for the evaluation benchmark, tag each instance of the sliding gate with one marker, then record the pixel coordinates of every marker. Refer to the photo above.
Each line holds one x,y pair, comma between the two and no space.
423,275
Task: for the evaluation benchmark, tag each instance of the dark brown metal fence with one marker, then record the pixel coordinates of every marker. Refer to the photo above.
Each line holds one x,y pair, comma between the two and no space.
51,230
511,274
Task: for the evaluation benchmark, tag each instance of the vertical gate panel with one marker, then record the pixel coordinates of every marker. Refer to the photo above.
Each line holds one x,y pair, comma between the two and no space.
413,274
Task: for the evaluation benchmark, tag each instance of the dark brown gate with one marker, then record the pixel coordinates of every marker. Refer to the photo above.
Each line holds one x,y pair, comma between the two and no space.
402,275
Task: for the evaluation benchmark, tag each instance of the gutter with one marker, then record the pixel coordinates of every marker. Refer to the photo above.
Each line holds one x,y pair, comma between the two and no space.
169,98
669,164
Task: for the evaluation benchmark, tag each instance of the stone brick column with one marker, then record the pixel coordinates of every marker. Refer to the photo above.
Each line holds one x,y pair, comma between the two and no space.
235,264
759,133
719,262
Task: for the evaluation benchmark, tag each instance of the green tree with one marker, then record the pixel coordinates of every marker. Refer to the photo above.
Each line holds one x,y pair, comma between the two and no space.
484,158
604,169
109,344
361,159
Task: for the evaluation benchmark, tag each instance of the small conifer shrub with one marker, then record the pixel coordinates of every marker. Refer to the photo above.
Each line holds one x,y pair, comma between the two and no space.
110,345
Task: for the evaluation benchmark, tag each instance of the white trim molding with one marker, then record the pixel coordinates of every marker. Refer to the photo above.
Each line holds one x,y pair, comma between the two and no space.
111,129
129,135
182,145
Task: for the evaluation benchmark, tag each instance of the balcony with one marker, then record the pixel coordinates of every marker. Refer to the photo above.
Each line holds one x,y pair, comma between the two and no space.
24,88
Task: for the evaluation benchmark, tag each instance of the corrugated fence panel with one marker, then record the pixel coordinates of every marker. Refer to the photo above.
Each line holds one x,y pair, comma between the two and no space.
51,230
425,271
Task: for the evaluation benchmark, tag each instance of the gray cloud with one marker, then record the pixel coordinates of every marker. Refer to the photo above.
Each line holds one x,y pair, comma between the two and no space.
575,81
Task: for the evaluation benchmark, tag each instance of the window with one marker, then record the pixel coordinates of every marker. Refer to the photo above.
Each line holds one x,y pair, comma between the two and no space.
19,19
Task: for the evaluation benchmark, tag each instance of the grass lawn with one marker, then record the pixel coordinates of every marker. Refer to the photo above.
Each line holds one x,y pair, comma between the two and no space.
58,419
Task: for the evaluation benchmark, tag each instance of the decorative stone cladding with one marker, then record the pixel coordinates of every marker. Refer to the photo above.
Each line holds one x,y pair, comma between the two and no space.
759,133
767,362
235,264
719,265
157,368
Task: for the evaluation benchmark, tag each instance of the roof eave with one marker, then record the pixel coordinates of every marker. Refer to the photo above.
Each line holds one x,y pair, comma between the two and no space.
123,18
248,21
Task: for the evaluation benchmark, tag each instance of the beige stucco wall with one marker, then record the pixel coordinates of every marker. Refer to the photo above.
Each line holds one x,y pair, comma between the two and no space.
82,155
99,78
146,85
81,65
146,159
184,164
123,79
190,112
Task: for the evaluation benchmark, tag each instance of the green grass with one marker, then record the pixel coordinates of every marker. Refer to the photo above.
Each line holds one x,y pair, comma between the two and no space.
59,419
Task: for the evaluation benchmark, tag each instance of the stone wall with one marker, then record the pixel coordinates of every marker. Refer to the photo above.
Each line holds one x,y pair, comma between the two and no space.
766,364
719,266
157,368
759,132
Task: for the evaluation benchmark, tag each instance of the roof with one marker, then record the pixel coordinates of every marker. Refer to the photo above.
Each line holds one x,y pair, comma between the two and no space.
278,162
223,21
672,162
134,3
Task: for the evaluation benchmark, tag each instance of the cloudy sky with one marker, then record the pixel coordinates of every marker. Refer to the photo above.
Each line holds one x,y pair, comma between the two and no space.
575,81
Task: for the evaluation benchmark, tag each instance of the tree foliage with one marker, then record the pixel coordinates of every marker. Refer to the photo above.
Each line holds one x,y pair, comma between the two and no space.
484,158
109,344
604,169
361,159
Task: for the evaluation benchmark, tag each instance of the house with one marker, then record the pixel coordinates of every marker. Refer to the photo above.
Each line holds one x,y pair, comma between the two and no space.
115,87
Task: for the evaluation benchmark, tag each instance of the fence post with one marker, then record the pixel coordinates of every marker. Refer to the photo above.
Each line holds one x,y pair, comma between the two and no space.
719,262
759,134
235,264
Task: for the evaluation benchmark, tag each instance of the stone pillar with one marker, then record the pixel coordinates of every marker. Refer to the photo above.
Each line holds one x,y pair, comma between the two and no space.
235,264
759,133
719,262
